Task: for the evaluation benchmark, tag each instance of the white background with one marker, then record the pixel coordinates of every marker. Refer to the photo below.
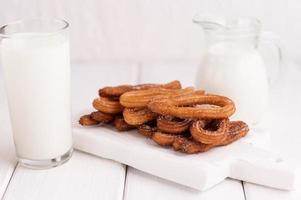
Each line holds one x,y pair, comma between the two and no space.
144,30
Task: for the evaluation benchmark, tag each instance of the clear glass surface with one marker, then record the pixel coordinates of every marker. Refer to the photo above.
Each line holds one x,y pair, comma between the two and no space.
36,66
232,65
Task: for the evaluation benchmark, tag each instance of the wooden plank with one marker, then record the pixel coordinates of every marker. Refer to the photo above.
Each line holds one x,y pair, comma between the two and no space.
254,192
140,185
285,109
7,157
83,177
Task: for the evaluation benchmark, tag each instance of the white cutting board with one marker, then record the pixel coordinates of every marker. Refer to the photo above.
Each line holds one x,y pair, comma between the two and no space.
245,159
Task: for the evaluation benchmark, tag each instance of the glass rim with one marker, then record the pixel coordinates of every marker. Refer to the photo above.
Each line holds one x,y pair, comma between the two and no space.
49,33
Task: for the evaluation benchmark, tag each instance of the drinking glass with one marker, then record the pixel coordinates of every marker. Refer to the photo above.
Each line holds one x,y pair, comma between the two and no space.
36,68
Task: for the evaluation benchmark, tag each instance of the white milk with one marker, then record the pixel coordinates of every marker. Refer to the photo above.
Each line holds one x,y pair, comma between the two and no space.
239,73
37,79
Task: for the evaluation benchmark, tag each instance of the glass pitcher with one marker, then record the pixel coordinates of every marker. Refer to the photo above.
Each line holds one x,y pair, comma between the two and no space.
232,65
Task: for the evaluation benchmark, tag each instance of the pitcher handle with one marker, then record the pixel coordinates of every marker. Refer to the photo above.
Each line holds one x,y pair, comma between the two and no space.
272,39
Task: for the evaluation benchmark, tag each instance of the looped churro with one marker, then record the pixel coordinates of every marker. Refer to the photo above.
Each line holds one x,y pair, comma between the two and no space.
121,125
184,106
173,125
107,105
147,130
189,146
86,120
119,90
140,98
164,139
102,117
236,130
213,133
138,116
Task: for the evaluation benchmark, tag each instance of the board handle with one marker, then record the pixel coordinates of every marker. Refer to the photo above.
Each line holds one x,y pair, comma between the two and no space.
262,167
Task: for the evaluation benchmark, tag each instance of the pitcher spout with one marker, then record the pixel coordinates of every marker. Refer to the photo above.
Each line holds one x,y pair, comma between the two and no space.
209,22
235,26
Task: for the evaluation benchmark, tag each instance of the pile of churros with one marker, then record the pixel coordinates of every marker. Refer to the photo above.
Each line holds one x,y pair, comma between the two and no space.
188,120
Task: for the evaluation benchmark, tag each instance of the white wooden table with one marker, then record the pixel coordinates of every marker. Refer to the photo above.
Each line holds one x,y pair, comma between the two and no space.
89,177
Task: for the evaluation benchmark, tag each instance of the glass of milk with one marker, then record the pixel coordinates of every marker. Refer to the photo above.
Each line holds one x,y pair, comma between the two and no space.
35,61
233,66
